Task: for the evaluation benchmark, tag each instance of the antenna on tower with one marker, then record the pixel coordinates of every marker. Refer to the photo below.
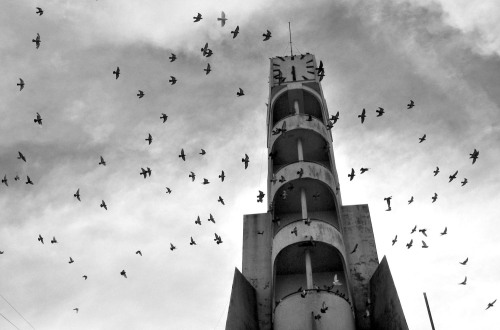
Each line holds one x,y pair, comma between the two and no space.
290,30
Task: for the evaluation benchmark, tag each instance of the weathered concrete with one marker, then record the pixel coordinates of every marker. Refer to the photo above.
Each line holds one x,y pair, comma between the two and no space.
386,310
357,229
300,122
242,312
257,264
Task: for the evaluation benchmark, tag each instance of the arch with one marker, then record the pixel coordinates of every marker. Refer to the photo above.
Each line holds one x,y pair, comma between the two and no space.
303,100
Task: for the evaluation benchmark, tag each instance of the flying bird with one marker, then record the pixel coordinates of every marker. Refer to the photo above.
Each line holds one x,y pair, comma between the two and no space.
192,241
38,119
172,80
205,181
411,104
138,252
102,162
355,248
422,139
204,49
4,180
197,18
236,31
414,229
434,198
388,200
53,241
76,310
221,200
453,176
103,204
211,218
222,19
423,231
172,247
240,92
37,40
208,53
474,155
464,182
491,304
117,72
395,240
436,171
198,221
145,173
380,111
140,94
77,195
164,117
246,160
335,118
464,282
352,175
207,70
410,201
294,231
316,317
192,176
149,139
70,260
202,152
424,245
21,156
464,262
267,35
222,176
445,231
169,191
362,116
260,196
40,238
123,273
282,179
363,170
16,178
409,245
28,180
182,155
39,11
172,57
218,239
85,277
20,84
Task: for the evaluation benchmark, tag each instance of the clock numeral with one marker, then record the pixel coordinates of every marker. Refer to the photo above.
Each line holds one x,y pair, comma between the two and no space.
302,56
276,64
281,58
310,61
310,66
305,78
311,72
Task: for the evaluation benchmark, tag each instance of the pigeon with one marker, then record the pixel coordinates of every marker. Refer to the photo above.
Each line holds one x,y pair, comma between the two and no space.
21,156
204,49
445,231
329,126
37,40
424,245
380,111
336,281
240,92
464,182
149,139
211,218
267,35
410,201
422,139
294,231
317,317
202,152
363,170
352,175
409,245
182,155
103,204
221,200
300,172
307,222
28,180
77,195
208,69
474,155
309,118
388,200
192,176
138,252
218,239
246,160
222,176
453,176
362,116
172,247
236,31
172,57
464,262
198,221
53,241
16,178
145,172
464,282
20,84
324,308
123,273
76,310
355,248
335,118
222,19
205,181
208,53
260,196
169,191
395,240
164,117
192,241
140,94
117,72
491,304
38,119
303,294
414,229
39,11
70,260
197,18
436,171
316,195
172,80
423,231
4,180
260,232
40,238
411,104
434,198
85,277
102,162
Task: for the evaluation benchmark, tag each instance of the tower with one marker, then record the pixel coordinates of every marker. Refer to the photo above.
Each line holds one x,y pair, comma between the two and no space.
309,262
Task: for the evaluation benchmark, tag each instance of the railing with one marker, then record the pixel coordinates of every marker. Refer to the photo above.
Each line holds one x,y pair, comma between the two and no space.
312,219
308,291
301,161
295,114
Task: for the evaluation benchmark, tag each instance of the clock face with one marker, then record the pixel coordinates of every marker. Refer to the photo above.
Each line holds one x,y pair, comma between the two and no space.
293,68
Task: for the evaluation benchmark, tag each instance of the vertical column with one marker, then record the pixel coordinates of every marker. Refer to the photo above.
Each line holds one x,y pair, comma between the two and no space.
300,150
303,203
309,276
296,106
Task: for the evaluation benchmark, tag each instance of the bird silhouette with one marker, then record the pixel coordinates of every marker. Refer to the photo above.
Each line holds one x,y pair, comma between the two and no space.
414,229
169,191
103,204
192,241
76,310
316,317
434,198
172,57
411,104
221,200
324,308
363,170
388,200
422,139
464,282
464,262
464,182
138,252
355,248
409,245
202,152
474,155
395,240
164,117
380,111
410,201
102,162
260,196
491,304
198,221
436,171
149,139
205,181
267,35
362,116
70,260
453,176
335,118
53,241
424,245
145,173
294,231
246,160
204,49
28,180
211,218
172,80
208,53
351,175
38,119
423,231
282,179
208,69
21,156
4,180
236,31
445,231
182,155
77,195
336,281
39,11
192,176
222,176
117,72
123,273
222,18
37,40
217,239
309,118
40,238
197,18
16,178
240,92
140,94
20,84
300,172
172,247
85,277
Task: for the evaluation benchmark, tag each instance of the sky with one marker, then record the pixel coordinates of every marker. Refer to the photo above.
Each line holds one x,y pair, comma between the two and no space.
443,54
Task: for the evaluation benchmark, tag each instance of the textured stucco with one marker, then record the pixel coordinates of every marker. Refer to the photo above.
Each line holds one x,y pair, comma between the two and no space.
242,312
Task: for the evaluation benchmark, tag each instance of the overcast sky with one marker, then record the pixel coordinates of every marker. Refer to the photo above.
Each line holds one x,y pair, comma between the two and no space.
443,54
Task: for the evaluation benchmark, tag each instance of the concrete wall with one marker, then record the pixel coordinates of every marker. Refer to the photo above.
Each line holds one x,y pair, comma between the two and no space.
242,312
357,229
386,310
257,264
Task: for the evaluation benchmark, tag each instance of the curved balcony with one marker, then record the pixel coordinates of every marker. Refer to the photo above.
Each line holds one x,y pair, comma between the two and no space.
293,100
295,312
300,122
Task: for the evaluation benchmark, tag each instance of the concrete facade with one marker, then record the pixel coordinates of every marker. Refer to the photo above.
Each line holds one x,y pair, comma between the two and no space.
242,313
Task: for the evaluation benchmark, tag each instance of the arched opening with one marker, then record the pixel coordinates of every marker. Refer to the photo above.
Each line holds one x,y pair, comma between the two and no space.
296,101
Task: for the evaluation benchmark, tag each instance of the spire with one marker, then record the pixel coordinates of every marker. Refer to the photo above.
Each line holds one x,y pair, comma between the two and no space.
290,31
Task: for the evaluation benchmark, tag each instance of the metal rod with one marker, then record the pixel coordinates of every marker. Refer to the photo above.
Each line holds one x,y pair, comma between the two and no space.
290,30
429,311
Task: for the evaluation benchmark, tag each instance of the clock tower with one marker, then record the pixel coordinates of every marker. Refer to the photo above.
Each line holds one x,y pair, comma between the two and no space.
310,262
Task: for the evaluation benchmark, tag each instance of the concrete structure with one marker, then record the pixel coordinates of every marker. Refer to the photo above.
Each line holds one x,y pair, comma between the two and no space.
309,262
